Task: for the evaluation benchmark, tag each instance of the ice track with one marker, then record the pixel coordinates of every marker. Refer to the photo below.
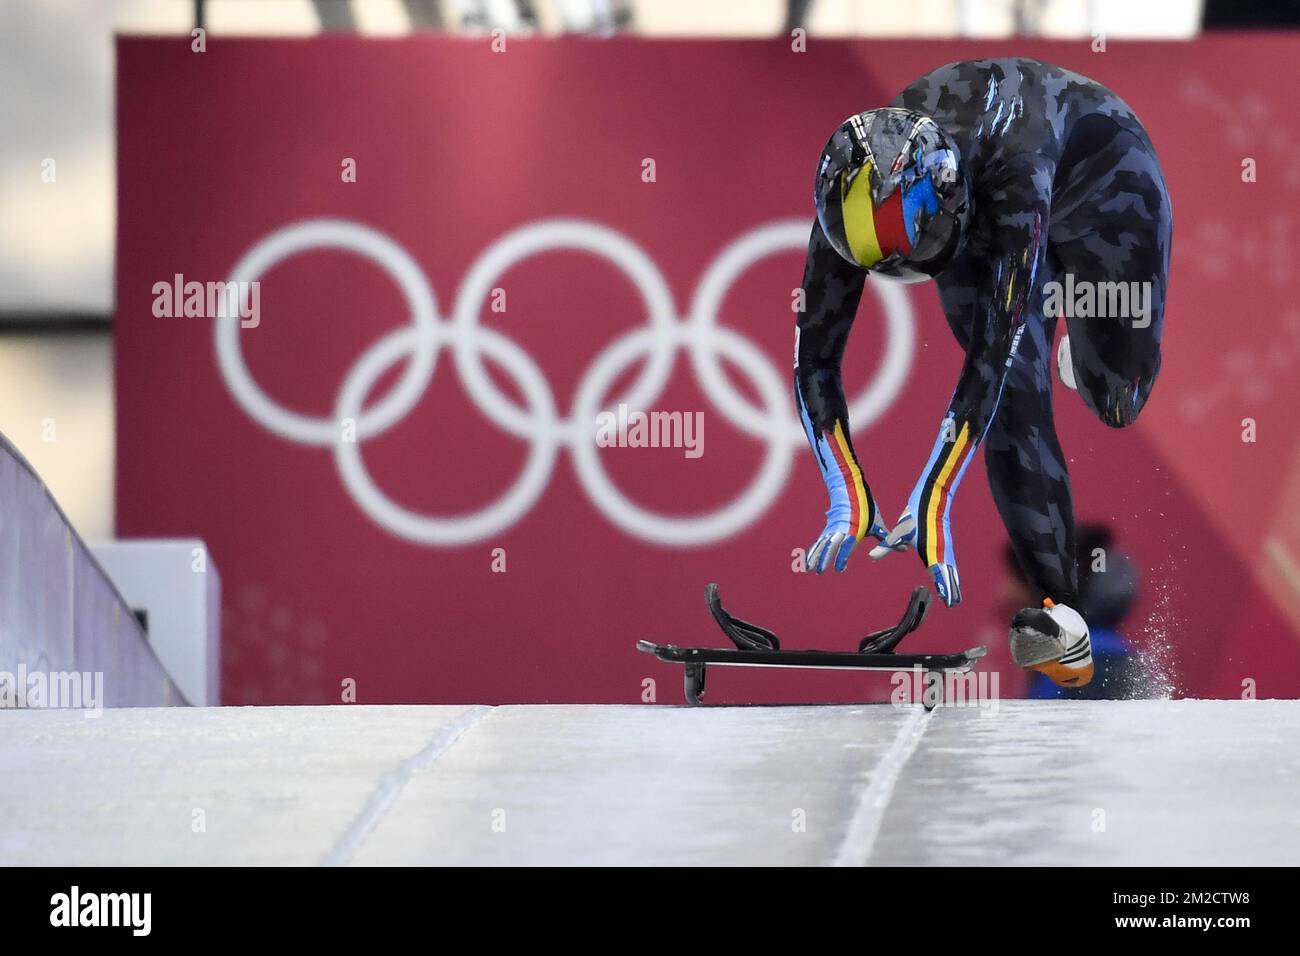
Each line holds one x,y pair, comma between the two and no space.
1142,782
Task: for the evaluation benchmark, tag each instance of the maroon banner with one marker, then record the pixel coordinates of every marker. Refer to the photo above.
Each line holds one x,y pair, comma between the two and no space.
467,261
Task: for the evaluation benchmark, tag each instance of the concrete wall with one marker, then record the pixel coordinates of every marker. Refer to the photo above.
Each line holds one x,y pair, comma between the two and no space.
59,612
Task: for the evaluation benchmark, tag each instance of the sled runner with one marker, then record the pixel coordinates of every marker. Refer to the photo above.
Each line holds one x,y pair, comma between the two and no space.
758,647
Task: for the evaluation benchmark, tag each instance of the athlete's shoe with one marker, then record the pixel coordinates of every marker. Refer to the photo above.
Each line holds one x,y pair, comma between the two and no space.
1053,639
1065,364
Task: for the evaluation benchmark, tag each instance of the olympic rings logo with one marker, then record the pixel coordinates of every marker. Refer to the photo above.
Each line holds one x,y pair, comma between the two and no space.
538,421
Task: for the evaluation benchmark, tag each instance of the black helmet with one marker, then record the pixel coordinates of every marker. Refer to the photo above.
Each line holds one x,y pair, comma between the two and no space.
891,194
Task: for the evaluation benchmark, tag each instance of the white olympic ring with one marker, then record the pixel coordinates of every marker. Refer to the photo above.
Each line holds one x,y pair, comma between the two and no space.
539,422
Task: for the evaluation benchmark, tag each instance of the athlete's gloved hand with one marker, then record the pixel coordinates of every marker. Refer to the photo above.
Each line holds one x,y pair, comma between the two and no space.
946,583
837,540
852,514
899,538
904,535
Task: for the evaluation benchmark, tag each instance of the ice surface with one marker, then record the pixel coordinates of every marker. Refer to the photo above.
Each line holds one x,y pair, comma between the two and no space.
1133,782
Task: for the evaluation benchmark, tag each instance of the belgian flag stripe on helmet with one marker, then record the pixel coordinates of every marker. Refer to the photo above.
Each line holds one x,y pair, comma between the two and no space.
860,218
891,230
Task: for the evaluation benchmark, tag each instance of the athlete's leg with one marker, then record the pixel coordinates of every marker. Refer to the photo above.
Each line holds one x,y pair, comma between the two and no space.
1027,470
1031,486
1113,245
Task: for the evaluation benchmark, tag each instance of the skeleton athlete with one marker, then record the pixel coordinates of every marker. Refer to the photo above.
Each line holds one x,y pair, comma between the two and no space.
1003,180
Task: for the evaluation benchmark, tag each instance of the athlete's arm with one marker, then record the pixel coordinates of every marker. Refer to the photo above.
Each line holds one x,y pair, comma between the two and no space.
831,290
1006,293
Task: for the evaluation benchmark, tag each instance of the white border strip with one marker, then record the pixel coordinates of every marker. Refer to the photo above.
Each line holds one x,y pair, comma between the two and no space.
391,784
865,825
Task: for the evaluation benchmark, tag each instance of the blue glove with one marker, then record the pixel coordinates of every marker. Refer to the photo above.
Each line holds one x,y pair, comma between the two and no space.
936,551
838,539
852,514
